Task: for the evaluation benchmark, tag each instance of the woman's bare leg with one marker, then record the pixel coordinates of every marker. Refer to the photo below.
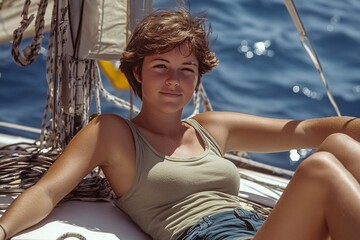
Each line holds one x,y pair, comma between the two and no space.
321,200
346,150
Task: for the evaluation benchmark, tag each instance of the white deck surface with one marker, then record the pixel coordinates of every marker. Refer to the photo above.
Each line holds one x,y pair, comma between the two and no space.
6,139
258,192
93,220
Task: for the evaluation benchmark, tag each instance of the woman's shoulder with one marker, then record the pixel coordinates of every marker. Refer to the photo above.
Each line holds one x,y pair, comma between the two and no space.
211,117
223,117
223,125
206,115
108,117
109,120
111,128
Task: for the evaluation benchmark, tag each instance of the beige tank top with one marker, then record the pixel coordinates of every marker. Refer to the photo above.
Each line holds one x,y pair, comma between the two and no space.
171,194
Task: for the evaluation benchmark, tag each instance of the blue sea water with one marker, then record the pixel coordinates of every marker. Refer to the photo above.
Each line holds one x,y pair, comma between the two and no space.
263,68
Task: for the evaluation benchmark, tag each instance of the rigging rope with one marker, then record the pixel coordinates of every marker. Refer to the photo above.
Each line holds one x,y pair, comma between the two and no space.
310,50
30,52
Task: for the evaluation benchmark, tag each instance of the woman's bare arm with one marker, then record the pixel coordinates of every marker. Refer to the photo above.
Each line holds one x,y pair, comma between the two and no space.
87,150
243,132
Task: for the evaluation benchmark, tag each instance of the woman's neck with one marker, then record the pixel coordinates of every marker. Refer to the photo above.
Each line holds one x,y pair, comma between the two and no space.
160,123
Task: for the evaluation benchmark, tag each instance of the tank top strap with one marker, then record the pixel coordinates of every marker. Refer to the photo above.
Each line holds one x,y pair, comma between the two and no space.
132,126
205,135
135,133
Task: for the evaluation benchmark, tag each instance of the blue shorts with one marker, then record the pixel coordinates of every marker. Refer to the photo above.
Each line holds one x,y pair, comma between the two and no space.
237,224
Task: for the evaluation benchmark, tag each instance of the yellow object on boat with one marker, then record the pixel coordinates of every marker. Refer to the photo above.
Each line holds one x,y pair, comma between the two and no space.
116,77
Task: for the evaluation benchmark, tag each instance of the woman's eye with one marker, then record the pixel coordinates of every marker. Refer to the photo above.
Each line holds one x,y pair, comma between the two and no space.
161,66
188,70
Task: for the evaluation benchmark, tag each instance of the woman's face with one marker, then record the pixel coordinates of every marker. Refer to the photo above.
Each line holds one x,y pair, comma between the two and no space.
169,79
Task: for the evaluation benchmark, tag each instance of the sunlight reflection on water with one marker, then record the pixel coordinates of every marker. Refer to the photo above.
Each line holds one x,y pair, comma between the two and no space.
307,92
258,48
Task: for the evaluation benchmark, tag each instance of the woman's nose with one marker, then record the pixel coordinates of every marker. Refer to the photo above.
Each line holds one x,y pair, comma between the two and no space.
173,79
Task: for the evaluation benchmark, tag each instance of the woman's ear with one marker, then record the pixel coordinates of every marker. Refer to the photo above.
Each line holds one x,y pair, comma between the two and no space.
136,75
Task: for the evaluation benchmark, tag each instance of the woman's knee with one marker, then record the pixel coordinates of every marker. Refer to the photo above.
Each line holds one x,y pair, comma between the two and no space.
320,166
336,141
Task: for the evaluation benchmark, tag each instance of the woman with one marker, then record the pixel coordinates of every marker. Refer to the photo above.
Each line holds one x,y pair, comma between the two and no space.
170,176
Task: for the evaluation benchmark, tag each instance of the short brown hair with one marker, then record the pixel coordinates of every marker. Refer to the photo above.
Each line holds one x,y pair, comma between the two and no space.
162,31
